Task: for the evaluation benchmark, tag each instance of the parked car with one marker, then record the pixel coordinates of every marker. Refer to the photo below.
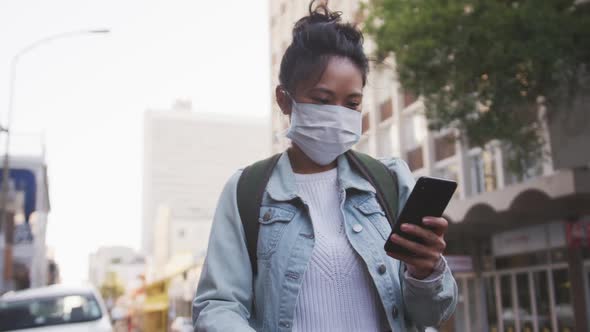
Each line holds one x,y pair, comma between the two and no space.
182,324
54,308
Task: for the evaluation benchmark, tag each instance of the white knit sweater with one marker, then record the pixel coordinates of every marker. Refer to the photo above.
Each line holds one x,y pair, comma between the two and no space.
337,293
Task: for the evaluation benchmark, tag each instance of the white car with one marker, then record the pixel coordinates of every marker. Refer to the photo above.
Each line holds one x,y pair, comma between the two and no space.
54,308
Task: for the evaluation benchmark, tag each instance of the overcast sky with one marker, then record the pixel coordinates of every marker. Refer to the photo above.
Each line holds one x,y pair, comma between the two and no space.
88,93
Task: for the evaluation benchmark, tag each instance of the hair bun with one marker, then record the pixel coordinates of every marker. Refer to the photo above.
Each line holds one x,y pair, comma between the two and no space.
320,14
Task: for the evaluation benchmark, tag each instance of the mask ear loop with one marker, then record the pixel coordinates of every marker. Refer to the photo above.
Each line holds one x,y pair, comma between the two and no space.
283,133
286,93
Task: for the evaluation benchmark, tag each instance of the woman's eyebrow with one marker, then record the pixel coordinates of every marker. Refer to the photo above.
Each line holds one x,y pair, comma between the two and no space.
330,92
323,90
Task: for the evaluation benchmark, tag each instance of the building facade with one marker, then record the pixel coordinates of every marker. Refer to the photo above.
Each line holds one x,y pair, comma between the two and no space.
23,245
188,157
517,243
125,263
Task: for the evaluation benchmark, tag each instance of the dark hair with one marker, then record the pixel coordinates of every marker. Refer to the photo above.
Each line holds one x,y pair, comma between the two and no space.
317,38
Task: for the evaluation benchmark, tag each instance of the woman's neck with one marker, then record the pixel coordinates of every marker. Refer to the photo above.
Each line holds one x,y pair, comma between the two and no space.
302,164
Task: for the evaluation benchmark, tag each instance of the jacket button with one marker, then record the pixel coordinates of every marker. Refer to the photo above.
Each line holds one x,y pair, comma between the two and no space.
394,312
357,228
266,216
285,324
382,269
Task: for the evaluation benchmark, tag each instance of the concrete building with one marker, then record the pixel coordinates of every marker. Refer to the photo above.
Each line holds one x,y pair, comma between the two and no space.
188,157
125,263
518,244
25,246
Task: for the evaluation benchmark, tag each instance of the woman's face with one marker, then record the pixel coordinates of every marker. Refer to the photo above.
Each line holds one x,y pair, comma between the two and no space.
341,84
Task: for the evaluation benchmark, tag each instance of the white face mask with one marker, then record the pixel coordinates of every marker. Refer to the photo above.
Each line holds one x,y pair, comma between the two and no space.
324,132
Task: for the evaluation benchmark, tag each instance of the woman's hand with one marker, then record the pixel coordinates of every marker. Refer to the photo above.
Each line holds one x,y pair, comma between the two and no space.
426,256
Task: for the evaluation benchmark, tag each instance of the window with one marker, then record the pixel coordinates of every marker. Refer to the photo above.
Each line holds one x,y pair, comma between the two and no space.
483,172
386,109
450,172
533,170
413,130
47,311
415,158
444,146
409,98
366,123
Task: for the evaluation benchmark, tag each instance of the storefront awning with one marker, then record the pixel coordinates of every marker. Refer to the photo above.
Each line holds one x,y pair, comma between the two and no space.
564,195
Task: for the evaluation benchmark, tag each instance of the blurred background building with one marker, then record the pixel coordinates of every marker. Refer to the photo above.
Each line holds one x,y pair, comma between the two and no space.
125,263
518,244
188,158
25,260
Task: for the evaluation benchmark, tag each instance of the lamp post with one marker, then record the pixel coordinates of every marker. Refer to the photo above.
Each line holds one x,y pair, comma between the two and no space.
5,128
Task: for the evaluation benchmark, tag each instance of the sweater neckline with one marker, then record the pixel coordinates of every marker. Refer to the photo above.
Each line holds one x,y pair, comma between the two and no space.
330,175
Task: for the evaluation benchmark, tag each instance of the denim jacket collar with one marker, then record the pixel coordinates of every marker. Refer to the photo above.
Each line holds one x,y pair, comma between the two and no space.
281,185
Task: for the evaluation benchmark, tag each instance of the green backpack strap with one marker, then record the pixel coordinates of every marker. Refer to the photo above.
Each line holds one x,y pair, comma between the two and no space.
383,180
251,187
385,183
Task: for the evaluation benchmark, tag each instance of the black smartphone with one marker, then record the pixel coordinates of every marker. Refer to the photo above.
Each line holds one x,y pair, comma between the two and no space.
429,198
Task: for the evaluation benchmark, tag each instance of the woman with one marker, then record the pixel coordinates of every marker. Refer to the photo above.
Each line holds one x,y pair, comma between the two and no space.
321,264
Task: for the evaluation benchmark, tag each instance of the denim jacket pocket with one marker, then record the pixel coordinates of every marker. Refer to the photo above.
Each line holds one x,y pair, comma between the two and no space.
273,220
371,209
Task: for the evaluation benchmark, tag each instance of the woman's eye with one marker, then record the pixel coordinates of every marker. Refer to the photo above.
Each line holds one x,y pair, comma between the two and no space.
354,106
321,101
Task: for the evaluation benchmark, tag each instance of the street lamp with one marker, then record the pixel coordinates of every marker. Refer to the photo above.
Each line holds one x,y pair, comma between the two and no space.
6,127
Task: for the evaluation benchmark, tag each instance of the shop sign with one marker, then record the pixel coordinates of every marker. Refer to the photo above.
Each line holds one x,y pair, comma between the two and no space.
529,239
460,263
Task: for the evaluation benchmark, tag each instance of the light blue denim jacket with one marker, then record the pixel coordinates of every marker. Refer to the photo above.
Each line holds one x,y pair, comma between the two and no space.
228,299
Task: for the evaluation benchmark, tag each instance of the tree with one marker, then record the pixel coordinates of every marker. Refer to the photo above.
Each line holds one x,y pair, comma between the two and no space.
485,66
